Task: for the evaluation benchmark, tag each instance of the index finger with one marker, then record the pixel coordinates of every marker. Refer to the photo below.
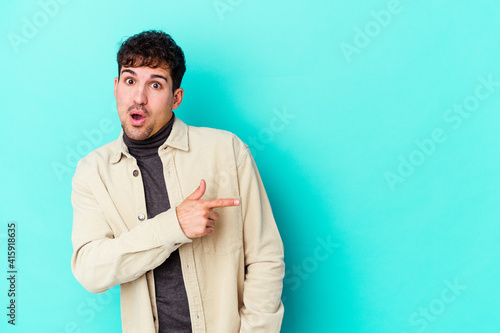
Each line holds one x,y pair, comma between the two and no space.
221,203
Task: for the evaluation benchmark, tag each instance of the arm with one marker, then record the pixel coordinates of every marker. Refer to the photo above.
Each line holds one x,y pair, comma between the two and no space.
262,309
101,259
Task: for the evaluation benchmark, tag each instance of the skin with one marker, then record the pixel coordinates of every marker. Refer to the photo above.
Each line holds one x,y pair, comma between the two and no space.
197,217
148,91
145,100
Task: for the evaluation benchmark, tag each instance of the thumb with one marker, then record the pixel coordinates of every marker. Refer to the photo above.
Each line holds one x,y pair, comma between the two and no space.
198,193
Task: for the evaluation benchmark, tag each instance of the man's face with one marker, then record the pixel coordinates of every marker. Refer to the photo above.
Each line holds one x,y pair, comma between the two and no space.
144,100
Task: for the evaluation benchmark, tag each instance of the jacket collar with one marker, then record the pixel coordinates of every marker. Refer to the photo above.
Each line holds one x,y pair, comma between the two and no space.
178,139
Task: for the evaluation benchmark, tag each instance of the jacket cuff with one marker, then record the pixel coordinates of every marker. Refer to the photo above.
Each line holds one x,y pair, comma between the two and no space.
169,231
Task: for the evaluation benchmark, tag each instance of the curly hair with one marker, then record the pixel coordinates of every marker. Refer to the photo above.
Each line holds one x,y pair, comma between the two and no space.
153,49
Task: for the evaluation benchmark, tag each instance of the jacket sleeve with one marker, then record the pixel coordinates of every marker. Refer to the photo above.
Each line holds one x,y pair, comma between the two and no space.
262,309
104,256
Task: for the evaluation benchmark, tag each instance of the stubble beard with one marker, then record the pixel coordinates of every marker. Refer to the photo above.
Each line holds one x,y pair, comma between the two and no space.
136,133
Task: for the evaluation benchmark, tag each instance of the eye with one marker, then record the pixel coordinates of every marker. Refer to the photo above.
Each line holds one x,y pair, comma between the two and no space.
156,85
129,81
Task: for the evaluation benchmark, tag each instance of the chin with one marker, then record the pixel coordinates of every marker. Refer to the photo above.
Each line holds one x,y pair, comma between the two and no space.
136,134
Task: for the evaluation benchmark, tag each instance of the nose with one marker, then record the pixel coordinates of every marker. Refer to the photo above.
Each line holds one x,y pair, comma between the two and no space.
140,96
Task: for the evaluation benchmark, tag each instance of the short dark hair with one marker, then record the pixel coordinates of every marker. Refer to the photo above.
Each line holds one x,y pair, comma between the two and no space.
153,49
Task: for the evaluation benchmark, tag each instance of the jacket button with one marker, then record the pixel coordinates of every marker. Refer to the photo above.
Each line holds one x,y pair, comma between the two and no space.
141,217
135,173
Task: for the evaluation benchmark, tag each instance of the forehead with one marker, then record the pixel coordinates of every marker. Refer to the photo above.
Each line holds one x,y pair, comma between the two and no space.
146,72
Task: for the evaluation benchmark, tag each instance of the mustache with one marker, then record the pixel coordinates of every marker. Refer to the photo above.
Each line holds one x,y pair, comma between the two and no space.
138,107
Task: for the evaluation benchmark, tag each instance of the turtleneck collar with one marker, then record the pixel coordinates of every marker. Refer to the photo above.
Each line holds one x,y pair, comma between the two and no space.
149,146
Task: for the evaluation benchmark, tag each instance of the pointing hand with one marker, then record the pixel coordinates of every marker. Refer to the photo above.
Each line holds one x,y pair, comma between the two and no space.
196,217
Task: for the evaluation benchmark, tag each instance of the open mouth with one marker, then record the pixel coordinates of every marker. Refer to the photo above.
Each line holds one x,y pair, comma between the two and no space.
137,118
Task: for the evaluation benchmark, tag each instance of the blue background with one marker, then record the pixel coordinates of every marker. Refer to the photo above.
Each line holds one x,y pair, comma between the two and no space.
372,123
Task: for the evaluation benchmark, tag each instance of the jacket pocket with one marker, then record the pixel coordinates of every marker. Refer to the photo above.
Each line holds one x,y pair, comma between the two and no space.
228,233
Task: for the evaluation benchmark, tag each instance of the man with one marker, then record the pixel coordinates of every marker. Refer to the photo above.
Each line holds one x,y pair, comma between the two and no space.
177,215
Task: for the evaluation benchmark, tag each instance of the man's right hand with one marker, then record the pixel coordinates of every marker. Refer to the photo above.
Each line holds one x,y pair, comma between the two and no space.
196,217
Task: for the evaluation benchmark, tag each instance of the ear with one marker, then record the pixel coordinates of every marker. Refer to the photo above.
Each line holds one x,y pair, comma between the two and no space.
116,85
178,95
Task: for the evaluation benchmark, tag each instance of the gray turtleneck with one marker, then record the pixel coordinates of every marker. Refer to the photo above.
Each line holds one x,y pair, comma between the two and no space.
171,298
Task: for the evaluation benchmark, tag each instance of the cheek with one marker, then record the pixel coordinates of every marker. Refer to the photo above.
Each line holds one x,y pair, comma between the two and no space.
121,107
159,104
121,100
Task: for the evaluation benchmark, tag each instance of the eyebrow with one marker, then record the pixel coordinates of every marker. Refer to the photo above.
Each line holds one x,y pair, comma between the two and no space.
159,76
152,75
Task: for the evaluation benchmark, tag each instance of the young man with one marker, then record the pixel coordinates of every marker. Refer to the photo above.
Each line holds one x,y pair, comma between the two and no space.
177,215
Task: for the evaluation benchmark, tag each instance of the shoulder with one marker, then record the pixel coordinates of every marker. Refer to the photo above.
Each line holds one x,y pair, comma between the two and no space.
216,139
100,156
211,134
